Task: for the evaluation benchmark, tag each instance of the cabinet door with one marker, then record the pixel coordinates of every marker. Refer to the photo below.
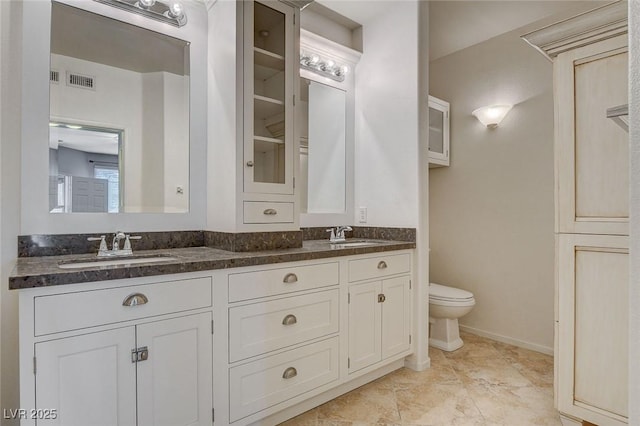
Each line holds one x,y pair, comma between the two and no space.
592,152
396,316
364,325
438,132
593,282
89,379
175,383
269,85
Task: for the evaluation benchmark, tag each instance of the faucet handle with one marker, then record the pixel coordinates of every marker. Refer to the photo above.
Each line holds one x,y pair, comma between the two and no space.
127,241
333,234
103,244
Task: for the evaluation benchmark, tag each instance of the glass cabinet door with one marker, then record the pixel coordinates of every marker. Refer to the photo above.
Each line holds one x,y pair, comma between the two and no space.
269,89
438,132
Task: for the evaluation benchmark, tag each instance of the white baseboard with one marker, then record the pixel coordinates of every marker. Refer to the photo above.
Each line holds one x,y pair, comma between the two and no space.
508,340
411,363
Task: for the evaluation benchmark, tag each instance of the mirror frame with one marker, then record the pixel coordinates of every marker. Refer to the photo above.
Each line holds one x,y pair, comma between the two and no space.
35,215
310,42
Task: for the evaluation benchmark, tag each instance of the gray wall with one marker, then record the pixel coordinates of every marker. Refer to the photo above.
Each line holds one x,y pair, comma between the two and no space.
492,210
72,162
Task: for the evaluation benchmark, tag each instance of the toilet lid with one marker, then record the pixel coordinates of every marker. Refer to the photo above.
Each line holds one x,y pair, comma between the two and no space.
442,292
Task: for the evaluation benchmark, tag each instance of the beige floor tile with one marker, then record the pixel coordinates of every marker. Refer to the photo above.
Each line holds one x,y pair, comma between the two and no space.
367,404
308,418
490,371
536,367
474,347
436,404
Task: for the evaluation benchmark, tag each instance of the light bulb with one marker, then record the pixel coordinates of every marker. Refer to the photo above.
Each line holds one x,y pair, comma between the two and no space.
330,63
176,10
345,70
315,59
146,3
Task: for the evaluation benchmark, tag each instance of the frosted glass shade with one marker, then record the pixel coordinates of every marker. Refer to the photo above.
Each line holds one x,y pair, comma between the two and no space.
492,115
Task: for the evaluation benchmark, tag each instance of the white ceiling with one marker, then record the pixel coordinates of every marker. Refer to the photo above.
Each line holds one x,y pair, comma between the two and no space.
95,141
455,25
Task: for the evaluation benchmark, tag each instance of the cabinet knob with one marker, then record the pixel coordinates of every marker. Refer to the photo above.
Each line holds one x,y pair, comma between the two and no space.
289,373
135,299
289,320
270,212
381,298
382,264
249,163
290,278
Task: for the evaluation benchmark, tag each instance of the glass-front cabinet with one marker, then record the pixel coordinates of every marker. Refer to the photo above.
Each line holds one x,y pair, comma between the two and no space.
269,88
438,132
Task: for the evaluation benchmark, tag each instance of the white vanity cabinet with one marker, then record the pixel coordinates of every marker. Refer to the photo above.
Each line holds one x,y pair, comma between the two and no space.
270,60
438,132
379,311
290,331
129,352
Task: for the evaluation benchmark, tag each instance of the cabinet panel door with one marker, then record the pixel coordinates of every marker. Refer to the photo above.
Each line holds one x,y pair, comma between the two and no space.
438,132
396,316
88,379
364,325
175,383
592,151
593,325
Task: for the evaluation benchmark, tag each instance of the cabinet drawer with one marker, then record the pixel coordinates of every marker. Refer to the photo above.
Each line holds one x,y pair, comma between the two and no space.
261,384
71,311
379,266
264,327
252,285
267,212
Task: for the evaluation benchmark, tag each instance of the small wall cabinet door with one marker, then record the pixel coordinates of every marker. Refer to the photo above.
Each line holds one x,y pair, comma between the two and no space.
88,379
269,87
438,132
593,294
175,383
379,321
592,151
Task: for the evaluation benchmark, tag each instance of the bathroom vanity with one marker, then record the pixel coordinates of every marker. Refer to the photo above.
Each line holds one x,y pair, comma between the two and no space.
220,340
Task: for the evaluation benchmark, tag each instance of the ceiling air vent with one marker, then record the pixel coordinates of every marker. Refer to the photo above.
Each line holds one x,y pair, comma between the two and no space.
82,81
54,76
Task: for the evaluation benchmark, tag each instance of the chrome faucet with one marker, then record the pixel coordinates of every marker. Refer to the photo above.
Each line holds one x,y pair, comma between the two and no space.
126,250
337,234
115,246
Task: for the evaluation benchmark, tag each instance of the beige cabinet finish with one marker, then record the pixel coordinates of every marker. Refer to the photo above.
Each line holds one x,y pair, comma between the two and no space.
590,58
592,346
592,151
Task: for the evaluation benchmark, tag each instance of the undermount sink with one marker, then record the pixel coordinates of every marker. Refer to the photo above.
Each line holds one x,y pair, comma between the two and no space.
357,243
113,261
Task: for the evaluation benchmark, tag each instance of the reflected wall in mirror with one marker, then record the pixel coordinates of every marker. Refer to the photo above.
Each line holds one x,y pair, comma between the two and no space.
119,114
322,148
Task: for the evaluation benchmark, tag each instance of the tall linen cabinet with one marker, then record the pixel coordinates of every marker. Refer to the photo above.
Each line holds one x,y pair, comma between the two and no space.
590,61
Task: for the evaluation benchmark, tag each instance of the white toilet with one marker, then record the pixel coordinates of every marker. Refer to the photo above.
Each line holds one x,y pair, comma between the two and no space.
446,305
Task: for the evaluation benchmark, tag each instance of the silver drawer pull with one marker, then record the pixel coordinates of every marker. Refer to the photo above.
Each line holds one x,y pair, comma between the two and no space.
290,278
382,264
135,299
270,212
289,320
289,373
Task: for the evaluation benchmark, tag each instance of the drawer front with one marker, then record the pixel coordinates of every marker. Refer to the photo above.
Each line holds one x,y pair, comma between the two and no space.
263,327
253,285
71,311
379,266
264,383
267,212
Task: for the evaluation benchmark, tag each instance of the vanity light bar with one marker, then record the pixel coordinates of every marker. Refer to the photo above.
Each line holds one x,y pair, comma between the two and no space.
170,13
324,67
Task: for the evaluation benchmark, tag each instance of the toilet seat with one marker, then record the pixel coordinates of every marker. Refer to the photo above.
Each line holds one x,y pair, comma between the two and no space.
449,296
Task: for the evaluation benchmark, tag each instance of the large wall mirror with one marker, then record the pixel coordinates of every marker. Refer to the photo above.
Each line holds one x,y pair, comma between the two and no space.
326,128
114,119
119,116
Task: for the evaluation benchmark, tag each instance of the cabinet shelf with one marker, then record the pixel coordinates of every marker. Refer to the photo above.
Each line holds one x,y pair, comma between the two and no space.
268,59
267,107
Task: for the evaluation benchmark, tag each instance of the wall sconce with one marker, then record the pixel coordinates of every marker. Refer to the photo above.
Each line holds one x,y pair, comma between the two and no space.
492,115
324,67
171,12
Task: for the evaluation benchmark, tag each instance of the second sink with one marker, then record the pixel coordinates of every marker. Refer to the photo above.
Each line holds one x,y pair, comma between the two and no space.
113,261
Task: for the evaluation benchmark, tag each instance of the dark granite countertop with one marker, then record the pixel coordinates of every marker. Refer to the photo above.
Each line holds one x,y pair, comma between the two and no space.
44,271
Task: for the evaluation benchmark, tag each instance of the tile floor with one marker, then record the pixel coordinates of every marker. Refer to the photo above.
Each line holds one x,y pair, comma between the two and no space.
483,383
